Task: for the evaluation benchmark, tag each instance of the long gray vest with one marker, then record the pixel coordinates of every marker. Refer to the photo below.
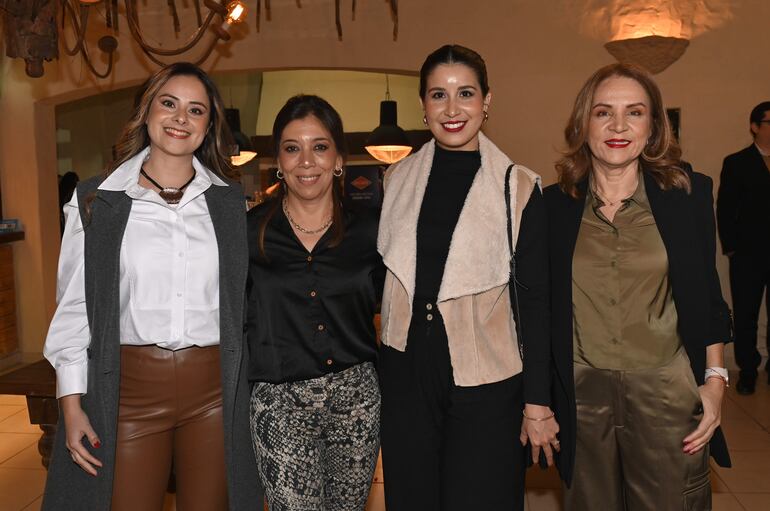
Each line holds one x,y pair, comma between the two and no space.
68,486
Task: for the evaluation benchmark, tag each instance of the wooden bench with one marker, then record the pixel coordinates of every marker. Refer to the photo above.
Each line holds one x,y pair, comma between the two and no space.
36,381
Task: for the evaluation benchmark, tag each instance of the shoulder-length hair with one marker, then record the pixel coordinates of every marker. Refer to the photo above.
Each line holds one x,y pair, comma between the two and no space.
216,146
661,156
299,107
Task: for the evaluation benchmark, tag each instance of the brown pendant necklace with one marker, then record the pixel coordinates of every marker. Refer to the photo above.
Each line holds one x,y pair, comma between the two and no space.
168,193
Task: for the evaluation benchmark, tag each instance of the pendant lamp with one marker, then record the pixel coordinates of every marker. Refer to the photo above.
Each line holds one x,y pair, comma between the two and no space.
388,143
241,152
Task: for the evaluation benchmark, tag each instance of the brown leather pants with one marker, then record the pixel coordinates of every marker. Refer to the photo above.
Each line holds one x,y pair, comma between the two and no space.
629,440
170,410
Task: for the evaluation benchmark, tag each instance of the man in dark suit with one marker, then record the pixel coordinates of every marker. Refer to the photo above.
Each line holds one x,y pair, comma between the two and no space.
743,216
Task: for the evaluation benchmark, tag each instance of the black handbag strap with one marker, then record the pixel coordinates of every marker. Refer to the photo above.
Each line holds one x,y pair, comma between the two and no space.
513,283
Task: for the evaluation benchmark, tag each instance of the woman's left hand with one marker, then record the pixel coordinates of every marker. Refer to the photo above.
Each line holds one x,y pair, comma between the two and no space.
711,394
540,431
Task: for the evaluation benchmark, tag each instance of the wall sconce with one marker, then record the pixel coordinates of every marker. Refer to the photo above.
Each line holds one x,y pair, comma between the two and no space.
654,53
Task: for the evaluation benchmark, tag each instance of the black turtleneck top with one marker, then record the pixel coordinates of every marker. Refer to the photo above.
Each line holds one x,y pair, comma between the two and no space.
451,177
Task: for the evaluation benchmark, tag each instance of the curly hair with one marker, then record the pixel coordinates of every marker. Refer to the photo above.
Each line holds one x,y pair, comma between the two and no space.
661,156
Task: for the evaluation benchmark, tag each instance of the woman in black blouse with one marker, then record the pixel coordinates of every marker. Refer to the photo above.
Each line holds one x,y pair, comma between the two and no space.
314,277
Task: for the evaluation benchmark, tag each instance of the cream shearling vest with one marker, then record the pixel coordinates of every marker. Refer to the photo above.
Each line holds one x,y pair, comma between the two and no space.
473,298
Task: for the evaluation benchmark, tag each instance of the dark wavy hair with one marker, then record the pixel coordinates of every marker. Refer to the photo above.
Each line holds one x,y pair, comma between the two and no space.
296,108
454,54
661,156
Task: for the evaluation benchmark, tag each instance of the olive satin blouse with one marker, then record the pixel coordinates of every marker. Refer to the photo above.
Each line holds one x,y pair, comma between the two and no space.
624,313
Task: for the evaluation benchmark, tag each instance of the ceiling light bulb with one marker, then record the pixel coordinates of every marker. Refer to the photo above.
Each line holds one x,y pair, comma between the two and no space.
388,153
242,158
236,12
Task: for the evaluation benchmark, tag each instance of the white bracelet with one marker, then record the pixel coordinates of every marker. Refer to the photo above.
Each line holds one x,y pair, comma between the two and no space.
717,372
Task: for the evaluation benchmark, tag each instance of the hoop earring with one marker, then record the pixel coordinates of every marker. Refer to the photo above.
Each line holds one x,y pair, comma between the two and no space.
337,172
279,174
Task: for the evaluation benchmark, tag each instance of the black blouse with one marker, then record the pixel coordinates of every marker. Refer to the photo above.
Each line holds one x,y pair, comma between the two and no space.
311,313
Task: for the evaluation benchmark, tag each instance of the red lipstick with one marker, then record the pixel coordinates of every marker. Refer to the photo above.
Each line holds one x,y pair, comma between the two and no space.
617,143
453,126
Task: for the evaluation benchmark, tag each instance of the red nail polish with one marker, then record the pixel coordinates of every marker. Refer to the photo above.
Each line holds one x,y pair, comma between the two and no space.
97,444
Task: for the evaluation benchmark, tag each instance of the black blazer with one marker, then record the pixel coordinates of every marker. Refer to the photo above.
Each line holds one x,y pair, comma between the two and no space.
743,203
686,224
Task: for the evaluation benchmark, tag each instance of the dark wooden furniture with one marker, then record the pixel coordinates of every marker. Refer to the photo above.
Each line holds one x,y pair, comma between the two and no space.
9,342
36,381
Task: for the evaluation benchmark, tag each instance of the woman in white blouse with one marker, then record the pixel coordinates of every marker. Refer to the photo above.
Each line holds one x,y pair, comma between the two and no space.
147,337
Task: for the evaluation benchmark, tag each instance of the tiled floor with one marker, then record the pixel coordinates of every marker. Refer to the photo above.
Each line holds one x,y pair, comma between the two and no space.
745,487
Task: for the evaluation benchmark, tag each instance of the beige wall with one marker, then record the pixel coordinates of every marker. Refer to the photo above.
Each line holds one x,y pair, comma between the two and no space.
87,128
537,56
92,126
355,95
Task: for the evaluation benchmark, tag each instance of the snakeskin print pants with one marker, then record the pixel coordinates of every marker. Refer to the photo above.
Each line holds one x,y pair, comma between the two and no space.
316,441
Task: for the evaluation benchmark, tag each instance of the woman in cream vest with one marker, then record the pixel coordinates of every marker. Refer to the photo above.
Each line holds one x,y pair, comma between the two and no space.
454,388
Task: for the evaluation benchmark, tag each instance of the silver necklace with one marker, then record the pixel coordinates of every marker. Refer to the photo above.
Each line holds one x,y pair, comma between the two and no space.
299,227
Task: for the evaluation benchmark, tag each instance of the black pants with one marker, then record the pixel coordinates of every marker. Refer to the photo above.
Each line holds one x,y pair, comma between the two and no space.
749,281
444,447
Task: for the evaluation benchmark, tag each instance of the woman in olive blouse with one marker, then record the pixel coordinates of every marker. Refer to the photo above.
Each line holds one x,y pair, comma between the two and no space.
639,323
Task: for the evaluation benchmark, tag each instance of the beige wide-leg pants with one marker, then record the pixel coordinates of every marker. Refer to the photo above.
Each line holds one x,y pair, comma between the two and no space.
630,427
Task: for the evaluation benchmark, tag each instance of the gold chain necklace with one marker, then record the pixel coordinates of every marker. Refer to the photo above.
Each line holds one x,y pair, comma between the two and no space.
606,201
299,227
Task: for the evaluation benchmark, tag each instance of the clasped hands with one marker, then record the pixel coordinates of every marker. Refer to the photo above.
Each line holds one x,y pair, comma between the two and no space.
540,428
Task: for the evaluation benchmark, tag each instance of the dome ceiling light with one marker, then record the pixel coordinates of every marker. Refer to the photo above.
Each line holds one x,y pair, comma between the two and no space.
388,143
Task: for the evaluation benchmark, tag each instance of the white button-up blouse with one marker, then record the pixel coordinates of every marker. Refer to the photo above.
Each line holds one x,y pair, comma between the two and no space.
169,275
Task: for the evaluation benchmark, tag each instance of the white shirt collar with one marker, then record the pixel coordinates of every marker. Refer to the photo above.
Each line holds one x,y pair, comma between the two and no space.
763,153
126,179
